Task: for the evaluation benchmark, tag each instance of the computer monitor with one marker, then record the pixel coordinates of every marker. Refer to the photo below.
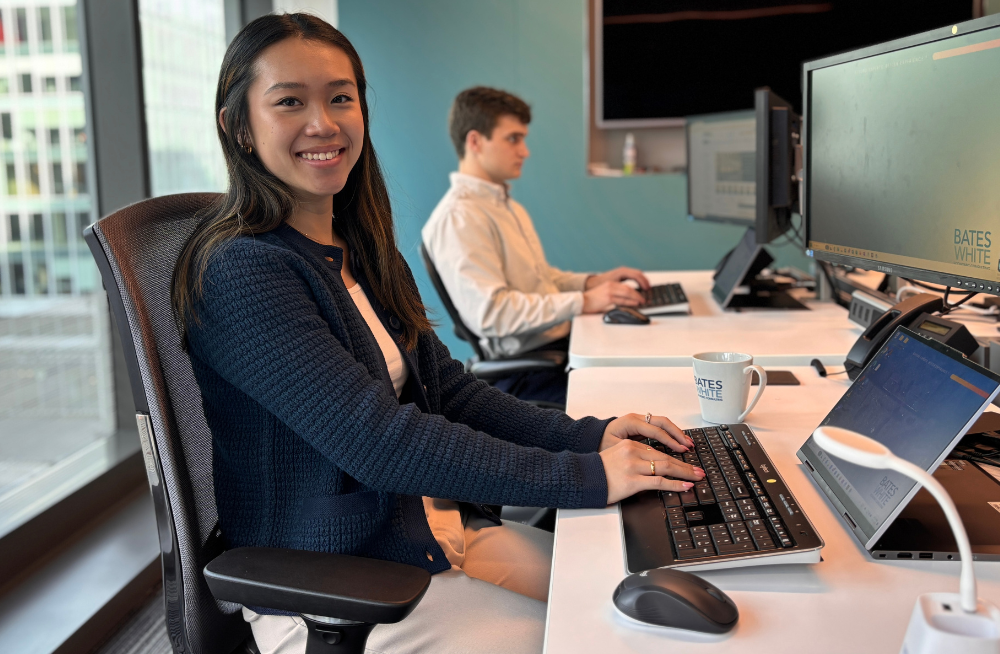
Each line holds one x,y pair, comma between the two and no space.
722,167
741,166
742,170
902,166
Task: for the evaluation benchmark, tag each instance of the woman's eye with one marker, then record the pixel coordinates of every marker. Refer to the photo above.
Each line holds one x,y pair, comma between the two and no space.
288,102
340,99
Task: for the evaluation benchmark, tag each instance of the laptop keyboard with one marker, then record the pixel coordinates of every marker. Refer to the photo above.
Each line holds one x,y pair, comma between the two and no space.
663,295
728,512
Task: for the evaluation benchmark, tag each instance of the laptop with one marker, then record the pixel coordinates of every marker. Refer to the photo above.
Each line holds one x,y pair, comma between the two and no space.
918,397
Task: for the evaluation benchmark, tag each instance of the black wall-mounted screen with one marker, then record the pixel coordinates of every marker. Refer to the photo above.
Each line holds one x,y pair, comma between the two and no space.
673,58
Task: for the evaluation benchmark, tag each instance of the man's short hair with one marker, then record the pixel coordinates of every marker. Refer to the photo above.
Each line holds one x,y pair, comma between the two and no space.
480,108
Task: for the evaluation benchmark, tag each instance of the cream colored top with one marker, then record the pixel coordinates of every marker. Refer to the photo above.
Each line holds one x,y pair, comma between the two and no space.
443,516
491,260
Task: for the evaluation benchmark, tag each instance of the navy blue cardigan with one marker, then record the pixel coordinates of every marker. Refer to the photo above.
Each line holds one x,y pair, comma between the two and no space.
312,448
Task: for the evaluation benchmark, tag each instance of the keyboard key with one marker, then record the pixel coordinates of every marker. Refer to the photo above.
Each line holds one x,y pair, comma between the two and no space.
721,528
740,491
736,548
705,495
763,541
677,522
696,552
702,542
695,516
689,498
670,499
680,547
681,534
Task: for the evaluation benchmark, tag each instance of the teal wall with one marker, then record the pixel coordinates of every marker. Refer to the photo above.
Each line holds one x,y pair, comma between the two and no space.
419,54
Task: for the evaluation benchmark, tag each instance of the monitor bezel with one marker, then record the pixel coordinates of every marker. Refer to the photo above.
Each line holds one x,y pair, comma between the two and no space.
922,274
852,512
743,114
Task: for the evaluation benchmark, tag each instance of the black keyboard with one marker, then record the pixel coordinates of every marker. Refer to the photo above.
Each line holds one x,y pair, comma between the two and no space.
730,511
664,294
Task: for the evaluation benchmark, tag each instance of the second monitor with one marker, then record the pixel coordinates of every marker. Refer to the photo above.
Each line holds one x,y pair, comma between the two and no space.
742,170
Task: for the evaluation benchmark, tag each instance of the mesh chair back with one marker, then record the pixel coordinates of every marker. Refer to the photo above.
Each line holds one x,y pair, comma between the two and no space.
136,249
461,330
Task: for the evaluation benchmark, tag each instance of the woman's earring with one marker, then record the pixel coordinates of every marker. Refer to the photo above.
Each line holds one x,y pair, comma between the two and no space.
248,149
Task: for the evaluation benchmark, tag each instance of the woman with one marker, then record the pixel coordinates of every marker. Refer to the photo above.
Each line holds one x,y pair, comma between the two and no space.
336,413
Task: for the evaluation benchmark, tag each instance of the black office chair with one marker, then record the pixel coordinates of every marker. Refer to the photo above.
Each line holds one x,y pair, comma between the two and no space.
482,366
341,598
490,370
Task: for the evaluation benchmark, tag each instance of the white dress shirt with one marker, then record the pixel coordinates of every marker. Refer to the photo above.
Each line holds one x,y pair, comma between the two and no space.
490,259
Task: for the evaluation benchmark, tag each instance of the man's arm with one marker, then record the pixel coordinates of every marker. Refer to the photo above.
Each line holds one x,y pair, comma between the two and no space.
467,253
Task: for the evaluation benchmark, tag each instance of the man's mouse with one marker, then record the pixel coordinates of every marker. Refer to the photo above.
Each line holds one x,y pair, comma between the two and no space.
625,316
672,598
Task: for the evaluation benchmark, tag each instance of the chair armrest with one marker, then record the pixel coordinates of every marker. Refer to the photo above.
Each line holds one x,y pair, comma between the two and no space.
317,583
529,362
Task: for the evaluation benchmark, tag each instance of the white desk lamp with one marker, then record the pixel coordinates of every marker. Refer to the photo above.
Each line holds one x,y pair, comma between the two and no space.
941,622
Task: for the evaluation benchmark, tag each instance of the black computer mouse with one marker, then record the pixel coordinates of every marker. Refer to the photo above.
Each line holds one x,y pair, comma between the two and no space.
672,598
626,316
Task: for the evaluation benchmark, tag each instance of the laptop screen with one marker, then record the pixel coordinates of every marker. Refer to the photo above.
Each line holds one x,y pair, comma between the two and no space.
918,398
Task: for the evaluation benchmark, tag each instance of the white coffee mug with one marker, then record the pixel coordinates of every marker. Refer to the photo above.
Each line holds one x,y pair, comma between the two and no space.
723,383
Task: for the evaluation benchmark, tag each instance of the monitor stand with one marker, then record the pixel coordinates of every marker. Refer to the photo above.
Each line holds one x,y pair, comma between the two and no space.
736,284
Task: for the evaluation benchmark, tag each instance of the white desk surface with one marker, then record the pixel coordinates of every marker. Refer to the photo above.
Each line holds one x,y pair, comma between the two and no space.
773,337
846,603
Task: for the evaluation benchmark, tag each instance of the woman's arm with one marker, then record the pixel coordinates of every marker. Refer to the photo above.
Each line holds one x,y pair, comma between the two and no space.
261,330
484,408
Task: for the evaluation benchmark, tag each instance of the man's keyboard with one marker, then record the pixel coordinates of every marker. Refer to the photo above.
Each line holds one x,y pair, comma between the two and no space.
665,298
730,511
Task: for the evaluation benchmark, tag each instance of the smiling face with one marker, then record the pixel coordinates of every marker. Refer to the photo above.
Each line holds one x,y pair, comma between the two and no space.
305,117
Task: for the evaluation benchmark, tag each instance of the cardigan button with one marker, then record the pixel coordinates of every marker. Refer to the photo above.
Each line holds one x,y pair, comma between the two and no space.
394,322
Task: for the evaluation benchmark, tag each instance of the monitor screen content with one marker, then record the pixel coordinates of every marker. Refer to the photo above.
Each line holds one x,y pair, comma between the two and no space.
915,400
902,158
722,174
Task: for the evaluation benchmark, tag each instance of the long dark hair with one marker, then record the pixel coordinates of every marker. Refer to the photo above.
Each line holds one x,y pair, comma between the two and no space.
257,201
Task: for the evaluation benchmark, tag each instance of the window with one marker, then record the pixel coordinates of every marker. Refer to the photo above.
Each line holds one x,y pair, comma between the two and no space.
34,187
81,178
37,227
14,222
4,82
69,29
21,16
56,379
183,42
59,229
57,179
45,29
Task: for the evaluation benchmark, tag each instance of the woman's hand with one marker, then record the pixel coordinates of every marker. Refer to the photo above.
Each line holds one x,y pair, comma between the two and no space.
658,428
631,467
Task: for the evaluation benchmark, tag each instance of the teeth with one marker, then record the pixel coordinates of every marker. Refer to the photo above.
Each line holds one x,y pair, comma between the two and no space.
319,156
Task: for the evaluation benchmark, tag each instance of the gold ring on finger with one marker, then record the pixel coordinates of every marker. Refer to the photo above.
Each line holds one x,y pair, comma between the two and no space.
648,417
652,467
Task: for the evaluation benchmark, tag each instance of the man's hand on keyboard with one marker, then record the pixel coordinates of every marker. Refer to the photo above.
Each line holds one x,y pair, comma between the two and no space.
619,274
604,296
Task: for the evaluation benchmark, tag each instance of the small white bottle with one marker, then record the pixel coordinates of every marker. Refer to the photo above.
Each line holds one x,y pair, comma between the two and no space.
628,155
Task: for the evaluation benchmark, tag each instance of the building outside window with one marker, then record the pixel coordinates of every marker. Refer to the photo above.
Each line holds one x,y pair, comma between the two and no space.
57,411
183,42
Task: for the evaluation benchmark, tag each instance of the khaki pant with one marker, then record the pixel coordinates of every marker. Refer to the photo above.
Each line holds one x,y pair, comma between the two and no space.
494,602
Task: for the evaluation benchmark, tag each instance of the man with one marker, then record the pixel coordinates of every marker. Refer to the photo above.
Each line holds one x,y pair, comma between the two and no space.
488,254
